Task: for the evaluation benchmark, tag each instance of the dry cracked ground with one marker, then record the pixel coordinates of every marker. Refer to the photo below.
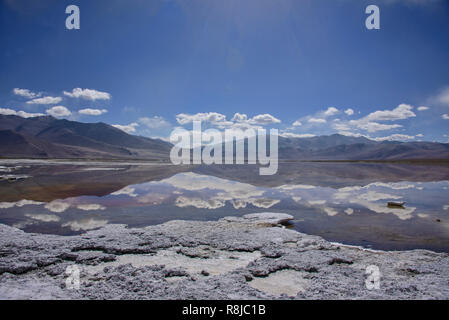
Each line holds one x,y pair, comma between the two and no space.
253,257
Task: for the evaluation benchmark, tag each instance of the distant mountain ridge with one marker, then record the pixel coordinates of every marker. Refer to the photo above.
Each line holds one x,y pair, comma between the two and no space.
339,147
48,137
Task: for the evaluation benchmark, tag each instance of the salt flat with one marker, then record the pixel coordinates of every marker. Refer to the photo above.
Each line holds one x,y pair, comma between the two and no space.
233,258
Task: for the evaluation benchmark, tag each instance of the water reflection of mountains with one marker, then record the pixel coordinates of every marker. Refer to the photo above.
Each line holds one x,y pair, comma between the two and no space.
52,182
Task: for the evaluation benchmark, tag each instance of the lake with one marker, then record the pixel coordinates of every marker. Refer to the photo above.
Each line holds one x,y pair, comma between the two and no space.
342,202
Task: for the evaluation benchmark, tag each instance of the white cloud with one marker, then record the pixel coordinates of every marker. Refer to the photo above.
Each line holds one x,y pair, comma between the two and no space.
45,100
390,185
183,202
370,123
339,126
212,117
130,128
26,93
373,126
154,122
403,214
86,224
445,116
241,126
263,203
88,94
376,196
296,135
401,112
239,120
316,120
227,190
23,114
237,204
25,202
8,112
319,117
21,203
92,112
207,137
264,119
89,207
295,186
58,111
239,117
442,97
372,196
330,211
153,198
395,137
43,217
316,202
57,206
331,111
373,122
351,134
7,205
167,139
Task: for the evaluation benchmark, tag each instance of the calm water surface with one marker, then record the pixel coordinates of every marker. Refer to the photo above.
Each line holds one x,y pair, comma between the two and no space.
342,202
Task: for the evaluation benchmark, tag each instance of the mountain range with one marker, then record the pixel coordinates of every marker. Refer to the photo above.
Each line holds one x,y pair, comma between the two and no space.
48,137
339,147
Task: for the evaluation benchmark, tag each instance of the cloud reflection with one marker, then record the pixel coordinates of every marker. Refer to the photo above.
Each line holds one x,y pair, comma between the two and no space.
85,224
57,206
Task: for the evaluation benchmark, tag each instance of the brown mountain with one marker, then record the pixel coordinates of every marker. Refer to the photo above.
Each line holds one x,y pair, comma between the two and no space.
47,137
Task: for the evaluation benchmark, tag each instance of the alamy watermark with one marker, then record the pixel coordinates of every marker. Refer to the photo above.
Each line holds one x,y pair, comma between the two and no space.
198,147
372,282
72,22
73,277
373,20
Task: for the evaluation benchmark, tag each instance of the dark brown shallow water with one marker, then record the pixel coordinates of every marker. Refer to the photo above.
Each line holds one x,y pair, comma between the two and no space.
342,202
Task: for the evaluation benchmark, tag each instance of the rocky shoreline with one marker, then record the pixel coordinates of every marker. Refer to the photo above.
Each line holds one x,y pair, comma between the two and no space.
253,257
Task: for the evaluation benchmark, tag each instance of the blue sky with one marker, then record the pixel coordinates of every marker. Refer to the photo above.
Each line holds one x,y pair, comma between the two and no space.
151,66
